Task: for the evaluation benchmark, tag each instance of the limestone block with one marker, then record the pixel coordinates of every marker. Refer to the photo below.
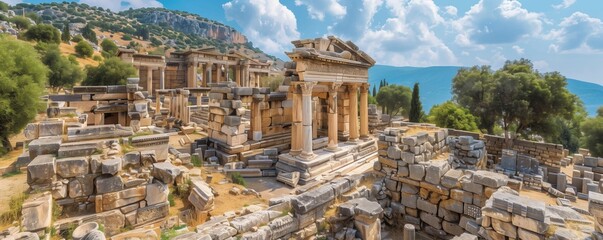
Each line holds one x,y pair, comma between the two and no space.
529,224
148,157
472,187
95,164
165,172
41,170
307,201
157,192
408,157
111,166
107,184
426,206
36,213
59,189
435,170
451,178
201,196
113,221
417,171
452,205
504,228
495,213
122,198
131,159
82,186
152,212
369,230
490,179
453,228
72,167
283,225
247,222
410,141
394,152
41,146
432,220
528,235
232,121
50,128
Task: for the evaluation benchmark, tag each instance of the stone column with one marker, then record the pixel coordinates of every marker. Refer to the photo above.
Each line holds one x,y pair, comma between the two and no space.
257,79
296,121
162,78
208,73
219,69
246,76
353,89
409,232
238,75
184,114
332,116
306,88
364,132
150,80
256,120
198,98
157,103
192,75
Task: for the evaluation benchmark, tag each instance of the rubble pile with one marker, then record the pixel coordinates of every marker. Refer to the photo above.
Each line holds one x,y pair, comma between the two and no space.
467,153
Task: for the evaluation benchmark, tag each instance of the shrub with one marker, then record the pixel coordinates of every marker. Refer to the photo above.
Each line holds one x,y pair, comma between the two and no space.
83,49
77,38
196,161
126,37
238,179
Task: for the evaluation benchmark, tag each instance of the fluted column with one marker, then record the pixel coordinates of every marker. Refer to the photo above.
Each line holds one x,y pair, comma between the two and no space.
332,116
150,80
306,88
353,89
296,119
209,73
256,120
162,78
364,88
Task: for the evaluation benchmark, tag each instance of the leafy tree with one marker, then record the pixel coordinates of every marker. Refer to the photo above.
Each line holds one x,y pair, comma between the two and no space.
126,37
109,48
77,38
473,89
593,134
416,109
113,71
143,33
43,33
394,99
83,49
21,22
89,34
451,115
66,36
34,16
63,72
22,80
156,42
3,6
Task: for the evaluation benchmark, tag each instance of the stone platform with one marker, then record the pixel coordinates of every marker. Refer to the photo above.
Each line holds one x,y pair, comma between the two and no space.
326,162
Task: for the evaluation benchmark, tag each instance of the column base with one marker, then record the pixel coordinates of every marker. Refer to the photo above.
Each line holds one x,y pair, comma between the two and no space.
294,152
306,156
353,140
332,148
364,138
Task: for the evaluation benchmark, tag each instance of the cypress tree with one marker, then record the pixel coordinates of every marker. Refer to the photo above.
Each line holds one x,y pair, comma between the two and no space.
66,36
416,110
374,91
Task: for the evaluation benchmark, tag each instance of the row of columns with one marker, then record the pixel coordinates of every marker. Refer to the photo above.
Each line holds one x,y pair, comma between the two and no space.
302,132
150,79
242,75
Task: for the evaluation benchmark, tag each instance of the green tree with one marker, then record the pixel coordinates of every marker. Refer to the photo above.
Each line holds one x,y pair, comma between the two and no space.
593,134
395,99
143,33
156,42
63,72
89,34
77,38
113,71
66,36
451,115
34,16
43,33
21,22
416,109
4,6
83,49
109,48
374,91
22,80
473,88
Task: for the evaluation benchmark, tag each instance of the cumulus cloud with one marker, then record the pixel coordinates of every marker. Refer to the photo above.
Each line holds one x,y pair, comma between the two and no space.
119,5
564,4
357,20
451,10
12,2
496,22
267,23
407,37
317,9
518,49
579,33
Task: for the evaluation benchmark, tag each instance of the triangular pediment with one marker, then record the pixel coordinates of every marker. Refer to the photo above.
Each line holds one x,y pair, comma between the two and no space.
331,48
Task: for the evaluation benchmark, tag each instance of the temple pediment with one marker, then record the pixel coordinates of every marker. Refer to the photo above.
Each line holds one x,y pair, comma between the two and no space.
331,49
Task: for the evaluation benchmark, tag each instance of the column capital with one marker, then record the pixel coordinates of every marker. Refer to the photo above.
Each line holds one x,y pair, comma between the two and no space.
306,87
333,87
364,88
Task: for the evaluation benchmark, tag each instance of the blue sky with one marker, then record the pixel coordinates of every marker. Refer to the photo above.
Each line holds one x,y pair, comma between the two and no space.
557,35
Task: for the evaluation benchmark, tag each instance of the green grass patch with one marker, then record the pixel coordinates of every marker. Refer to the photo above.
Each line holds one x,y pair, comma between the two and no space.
14,212
11,173
238,179
196,161
171,233
171,199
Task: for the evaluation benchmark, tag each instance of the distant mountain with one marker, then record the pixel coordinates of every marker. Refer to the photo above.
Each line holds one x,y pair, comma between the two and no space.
435,84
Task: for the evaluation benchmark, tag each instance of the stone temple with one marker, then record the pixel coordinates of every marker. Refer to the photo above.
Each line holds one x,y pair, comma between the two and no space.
198,148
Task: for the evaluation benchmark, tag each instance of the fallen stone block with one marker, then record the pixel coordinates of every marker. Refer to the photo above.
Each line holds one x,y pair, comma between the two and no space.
165,172
36,213
41,170
72,167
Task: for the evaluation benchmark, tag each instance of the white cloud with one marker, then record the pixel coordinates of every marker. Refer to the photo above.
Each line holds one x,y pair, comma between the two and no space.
541,65
12,2
564,4
267,23
518,49
357,20
496,22
451,10
317,9
577,33
408,36
119,5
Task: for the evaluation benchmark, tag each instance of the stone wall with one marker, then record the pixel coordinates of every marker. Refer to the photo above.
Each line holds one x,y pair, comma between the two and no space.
547,153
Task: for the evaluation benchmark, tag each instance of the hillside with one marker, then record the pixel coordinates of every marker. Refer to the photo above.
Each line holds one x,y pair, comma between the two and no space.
436,84
153,30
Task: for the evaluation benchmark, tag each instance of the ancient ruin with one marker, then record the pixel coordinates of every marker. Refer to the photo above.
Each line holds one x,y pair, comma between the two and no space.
196,148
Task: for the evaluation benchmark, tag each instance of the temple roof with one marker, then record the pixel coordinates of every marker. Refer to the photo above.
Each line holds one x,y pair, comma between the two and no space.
330,49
